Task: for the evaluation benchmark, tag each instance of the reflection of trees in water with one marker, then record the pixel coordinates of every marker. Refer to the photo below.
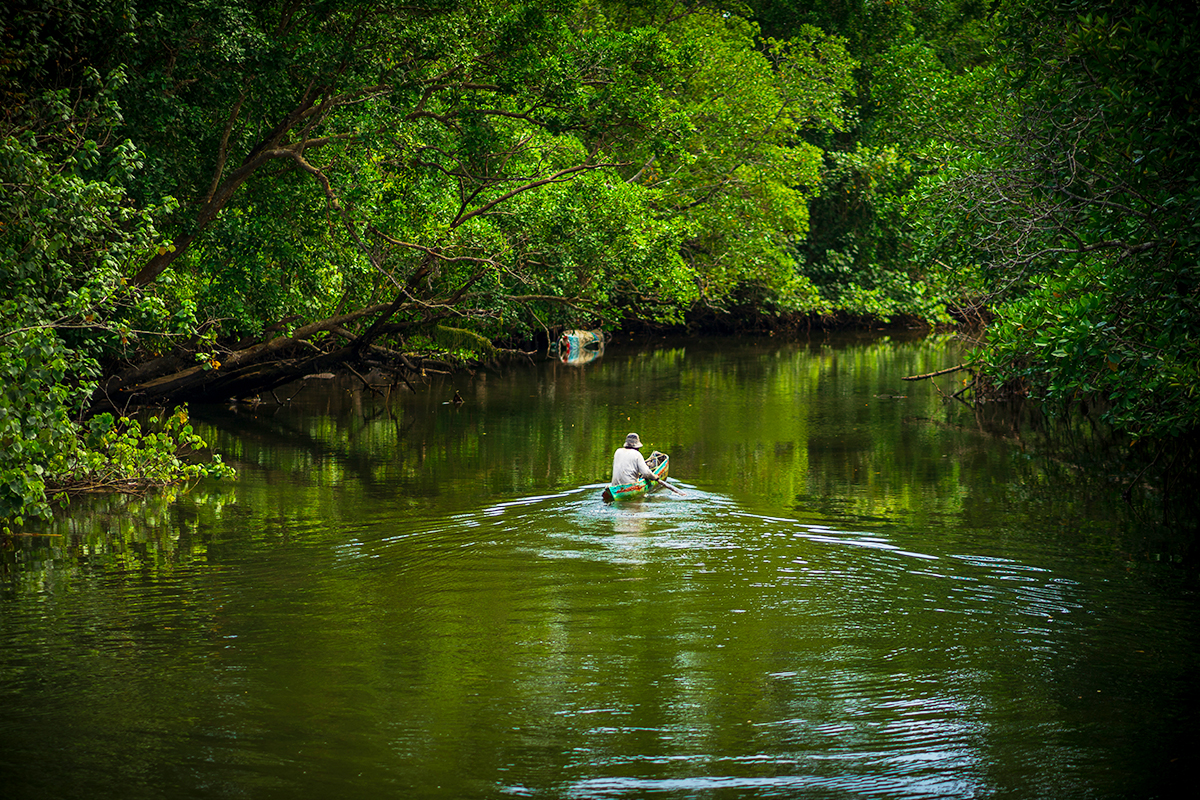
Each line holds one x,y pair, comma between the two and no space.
815,428
1071,467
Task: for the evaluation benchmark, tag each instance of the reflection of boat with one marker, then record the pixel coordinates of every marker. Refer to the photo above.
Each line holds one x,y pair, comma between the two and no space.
580,347
658,463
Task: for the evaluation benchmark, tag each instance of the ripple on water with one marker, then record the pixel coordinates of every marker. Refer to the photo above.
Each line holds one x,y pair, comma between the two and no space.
673,646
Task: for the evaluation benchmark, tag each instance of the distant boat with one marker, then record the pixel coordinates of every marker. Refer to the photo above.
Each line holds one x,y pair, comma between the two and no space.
580,347
658,463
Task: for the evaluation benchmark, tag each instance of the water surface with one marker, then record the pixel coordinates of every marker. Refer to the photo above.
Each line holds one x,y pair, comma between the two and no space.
867,591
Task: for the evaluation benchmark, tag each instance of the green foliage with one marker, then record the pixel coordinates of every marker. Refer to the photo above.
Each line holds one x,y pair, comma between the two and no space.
920,74
860,255
463,341
37,436
122,453
1066,340
740,177
185,180
67,232
674,139
43,450
1081,219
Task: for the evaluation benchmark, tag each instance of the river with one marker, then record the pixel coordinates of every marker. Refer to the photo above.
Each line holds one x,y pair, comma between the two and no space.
867,590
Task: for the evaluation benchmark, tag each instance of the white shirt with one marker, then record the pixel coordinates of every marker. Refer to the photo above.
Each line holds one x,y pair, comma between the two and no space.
628,466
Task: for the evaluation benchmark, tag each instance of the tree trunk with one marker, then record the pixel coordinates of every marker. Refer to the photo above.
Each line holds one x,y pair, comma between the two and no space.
260,367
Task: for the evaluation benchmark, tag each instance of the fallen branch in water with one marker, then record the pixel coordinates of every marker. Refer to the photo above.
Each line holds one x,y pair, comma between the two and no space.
928,375
129,486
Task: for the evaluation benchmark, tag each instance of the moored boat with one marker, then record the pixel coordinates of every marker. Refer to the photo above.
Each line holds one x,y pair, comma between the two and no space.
580,347
658,463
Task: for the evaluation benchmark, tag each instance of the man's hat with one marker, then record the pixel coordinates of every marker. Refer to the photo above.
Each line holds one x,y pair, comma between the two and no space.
632,440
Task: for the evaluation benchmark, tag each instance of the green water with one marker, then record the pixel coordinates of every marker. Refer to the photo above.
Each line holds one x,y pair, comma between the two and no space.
867,591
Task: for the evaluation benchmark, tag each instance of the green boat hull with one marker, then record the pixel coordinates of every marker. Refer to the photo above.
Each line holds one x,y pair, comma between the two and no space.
658,463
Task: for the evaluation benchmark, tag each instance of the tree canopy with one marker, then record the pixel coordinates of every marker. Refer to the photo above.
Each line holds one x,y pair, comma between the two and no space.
1072,209
206,200
213,198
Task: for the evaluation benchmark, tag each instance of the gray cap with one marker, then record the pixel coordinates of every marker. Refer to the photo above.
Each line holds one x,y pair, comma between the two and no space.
632,440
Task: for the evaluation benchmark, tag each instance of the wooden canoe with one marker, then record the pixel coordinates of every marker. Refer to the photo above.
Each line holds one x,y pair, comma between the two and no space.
658,463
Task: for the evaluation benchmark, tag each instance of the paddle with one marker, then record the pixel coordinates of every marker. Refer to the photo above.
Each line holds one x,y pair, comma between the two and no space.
669,486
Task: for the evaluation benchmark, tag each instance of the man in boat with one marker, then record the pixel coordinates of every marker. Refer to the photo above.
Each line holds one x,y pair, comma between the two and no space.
628,464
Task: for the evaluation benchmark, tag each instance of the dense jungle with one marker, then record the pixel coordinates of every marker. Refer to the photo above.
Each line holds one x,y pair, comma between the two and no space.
208,200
